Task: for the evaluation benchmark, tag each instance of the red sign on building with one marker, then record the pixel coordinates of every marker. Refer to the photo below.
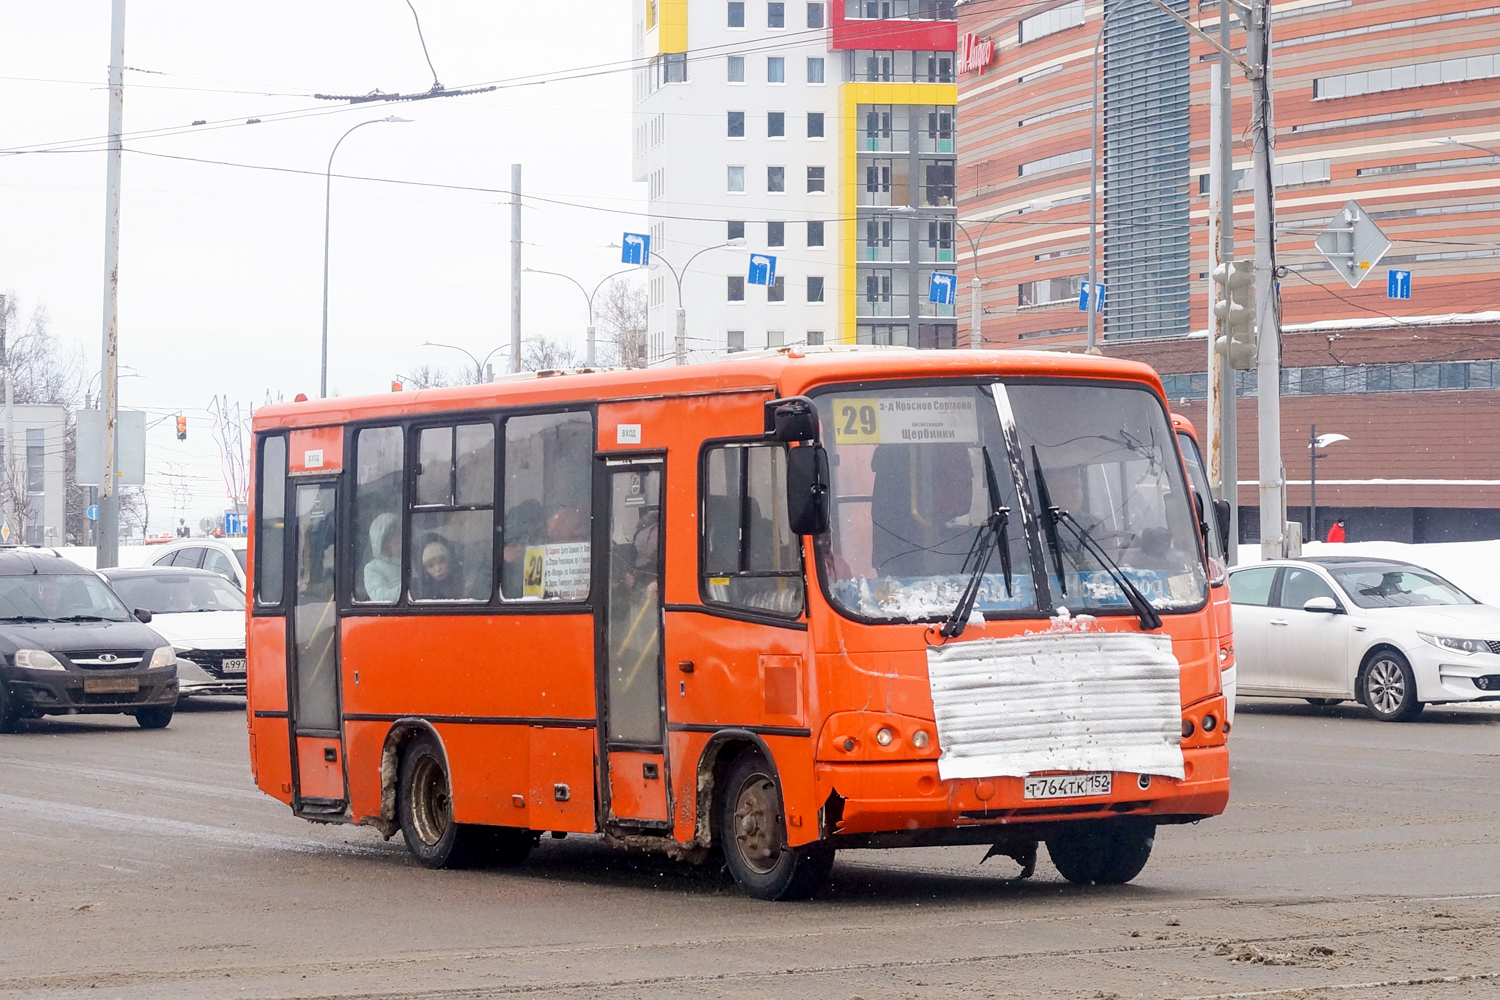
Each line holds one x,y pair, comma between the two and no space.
975,53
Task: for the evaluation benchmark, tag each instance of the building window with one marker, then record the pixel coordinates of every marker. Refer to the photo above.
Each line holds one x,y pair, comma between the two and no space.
36,451
815,338
776,14
674,67
775,338
776,291
776,234
775,179
737,180
815,125
736,13
736,230
916,10
736,288
736,69
1057,162
1375,81
775,69
776,124
736,125
939,67
1050,22
1047,291
814,180
937,183
814,288
815,233
814,69
735,341
815,15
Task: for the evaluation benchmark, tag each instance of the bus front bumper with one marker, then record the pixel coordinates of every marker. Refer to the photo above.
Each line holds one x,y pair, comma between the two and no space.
908,798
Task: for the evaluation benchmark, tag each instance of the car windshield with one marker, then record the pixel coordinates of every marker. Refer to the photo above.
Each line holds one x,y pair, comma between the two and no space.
178,593
241,555
910,493
59,597
1391,585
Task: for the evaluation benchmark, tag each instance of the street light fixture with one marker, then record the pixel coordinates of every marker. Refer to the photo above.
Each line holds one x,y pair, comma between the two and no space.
327,216
1449,140
478,365
590,352
1314,442
976,340
677,276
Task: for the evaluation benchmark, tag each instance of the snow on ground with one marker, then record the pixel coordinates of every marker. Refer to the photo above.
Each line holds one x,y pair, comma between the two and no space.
1472,566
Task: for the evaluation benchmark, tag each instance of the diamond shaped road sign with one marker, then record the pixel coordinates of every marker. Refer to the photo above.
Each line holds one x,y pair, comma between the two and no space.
1353,244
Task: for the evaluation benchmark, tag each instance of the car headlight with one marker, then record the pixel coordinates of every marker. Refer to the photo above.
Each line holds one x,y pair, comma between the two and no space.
1455,644
37,659
164,656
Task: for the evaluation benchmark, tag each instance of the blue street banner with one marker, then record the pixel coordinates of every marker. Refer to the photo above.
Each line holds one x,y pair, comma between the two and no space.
762,269
1398,284
635,248
941,288
1084,297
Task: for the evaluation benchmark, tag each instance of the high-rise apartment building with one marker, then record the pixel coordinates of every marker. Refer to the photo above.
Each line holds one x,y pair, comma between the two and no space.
820,133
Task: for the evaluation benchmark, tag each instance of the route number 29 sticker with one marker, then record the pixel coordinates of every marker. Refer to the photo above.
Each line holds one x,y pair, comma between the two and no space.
905,420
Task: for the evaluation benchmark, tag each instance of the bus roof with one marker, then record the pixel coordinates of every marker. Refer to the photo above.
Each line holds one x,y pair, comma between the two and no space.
787,371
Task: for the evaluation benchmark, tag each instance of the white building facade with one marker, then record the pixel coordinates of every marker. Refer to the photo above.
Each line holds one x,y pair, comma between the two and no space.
801,128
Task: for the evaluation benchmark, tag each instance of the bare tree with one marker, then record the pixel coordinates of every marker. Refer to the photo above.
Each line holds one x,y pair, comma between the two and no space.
540,354
621,320
437,377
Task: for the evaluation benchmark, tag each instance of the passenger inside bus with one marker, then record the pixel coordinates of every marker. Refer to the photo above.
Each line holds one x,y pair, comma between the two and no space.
382,572
440,577
922,499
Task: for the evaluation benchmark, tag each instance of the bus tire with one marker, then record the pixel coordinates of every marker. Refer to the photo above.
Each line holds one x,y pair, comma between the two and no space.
154,717
1389,688
1104,852
752,834
424,809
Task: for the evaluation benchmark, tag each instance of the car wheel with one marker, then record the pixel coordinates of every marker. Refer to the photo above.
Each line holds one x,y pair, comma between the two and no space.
1389,689
1103,852
424,809
10,712
752,834
155,717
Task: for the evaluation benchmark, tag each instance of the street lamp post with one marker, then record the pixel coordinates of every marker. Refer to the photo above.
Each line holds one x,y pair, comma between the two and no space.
590,350
1093,298
478,365
327,218
1314,442
1449,140
976,339
680,342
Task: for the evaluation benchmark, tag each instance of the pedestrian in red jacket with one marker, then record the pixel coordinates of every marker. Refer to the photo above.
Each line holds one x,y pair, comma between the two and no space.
1336,533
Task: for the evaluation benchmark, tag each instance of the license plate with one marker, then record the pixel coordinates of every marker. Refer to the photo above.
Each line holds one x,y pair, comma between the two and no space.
233,666
1067,786
111,685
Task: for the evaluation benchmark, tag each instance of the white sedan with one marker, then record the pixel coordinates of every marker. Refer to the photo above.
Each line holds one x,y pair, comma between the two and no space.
200,613
1393,635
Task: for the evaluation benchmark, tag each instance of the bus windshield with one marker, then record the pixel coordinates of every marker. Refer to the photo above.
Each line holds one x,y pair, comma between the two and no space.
910,493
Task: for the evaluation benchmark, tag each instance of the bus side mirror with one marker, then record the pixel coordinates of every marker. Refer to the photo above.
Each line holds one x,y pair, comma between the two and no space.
1222,515
807,489
792,419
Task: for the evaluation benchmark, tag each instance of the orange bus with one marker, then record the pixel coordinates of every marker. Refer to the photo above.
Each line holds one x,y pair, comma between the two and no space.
1218,533
761,609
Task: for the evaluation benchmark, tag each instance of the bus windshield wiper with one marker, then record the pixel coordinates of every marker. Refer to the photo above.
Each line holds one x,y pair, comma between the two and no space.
994,533
1053,515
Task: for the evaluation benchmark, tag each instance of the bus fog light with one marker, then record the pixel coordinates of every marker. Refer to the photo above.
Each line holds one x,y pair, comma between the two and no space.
919,739
1144,781
1209,723
849,745
884,737
1187,728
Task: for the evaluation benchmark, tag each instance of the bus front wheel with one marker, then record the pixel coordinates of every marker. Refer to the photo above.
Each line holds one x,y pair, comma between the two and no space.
424,807
752,834
1108,852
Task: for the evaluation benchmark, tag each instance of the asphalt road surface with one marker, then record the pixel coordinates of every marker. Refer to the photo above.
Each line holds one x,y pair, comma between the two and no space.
1357,860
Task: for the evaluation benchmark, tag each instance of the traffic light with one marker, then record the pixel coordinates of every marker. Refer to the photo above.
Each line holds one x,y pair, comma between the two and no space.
182,428
1234,305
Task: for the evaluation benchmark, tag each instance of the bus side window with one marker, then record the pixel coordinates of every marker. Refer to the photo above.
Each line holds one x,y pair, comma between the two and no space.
379,463
749,557
270,552
548,507
453,518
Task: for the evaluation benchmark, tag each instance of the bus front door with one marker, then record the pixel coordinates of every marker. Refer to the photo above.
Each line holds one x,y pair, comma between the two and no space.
629,645
313,666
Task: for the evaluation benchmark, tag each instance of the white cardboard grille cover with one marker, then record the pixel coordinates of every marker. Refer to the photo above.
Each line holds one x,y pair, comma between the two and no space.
1057,701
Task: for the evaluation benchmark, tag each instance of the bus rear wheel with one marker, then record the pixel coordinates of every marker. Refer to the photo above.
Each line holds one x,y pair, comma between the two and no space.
424,808
1110,852
752,834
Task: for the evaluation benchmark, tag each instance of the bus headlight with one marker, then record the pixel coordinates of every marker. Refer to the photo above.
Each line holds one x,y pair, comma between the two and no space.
37,659
919,739
884,737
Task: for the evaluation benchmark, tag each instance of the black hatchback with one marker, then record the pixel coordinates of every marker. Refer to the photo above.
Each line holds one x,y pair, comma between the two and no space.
68,645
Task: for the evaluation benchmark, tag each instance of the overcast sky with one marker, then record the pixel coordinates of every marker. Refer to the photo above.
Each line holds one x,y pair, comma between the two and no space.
221,266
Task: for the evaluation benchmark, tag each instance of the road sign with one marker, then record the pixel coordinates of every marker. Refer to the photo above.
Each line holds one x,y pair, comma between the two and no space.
762,269
635,248
1398,285
93,512
1084,297
1353,244
234,523
941,287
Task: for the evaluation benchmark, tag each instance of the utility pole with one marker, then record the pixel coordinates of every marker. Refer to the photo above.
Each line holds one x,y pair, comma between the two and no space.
515,267
680,348
1224,455
109,499
7,452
